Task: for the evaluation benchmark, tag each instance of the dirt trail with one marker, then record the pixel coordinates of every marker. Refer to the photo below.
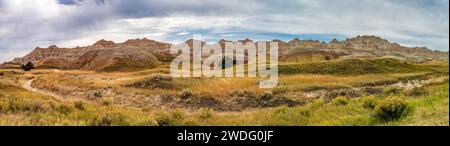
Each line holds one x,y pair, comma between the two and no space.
27,86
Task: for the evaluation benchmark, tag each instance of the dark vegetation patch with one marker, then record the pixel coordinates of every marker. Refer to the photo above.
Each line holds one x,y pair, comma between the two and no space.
154,81
354,66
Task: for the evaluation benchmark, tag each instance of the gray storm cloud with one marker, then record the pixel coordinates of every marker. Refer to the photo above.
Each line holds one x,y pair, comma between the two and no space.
25,24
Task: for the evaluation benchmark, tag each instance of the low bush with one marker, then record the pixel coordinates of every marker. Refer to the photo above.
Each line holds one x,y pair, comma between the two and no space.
370,102
178,114
391,108
110,119
106,101
186,93
206,113
79,105
63,108
163,118
341,100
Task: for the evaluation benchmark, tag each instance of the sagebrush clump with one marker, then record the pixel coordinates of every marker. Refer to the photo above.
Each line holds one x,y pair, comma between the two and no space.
106,101
391,108
174,118
79,105
64,108
110,119
186,93
206,113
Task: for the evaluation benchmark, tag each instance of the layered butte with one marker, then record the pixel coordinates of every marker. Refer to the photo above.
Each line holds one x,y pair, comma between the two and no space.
137,54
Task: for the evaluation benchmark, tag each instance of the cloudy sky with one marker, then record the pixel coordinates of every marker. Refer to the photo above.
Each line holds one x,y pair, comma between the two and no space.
26,24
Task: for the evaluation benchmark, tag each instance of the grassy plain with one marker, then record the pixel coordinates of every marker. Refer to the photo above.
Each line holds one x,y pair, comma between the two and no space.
341,92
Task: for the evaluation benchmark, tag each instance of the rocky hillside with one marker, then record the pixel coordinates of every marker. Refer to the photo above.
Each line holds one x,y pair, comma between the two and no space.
138,54
101,56
360,46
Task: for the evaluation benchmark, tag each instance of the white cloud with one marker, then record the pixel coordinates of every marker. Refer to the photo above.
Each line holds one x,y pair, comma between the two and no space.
183,33
154,28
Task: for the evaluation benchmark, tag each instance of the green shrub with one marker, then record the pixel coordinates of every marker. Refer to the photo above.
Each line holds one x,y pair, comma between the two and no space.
79,105
36,106
64,108
106,101
341,100
206,113
178,114
370,102
165,119
98,94
391,108
316,104
186,93
110,119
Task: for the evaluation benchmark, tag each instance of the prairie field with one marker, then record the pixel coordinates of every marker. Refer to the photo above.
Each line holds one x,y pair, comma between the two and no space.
331,93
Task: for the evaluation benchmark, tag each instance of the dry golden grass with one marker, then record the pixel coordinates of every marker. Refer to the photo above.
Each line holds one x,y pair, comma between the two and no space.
37,109
428,110
69,81
22,107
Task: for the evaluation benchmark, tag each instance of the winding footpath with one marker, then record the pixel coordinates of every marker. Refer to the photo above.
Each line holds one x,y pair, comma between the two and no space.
27,86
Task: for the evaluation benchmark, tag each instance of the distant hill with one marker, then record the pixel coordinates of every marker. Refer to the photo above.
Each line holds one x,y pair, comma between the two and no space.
138,54
357,47
104,55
